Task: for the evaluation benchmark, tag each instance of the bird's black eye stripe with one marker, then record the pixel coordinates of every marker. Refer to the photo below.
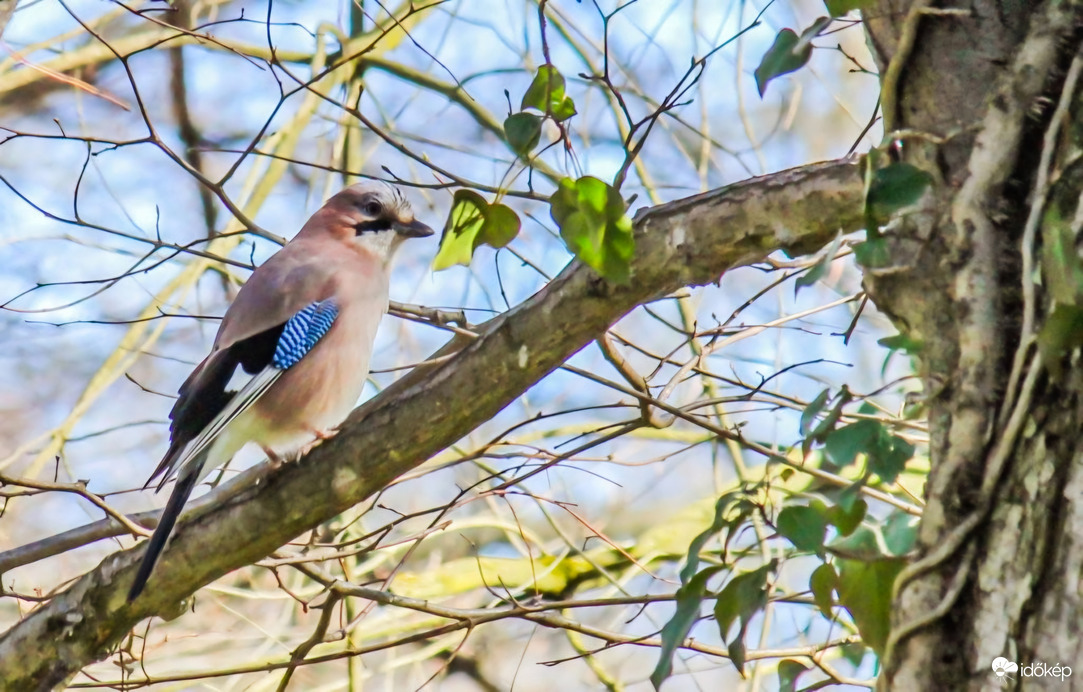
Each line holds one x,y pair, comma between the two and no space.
373,226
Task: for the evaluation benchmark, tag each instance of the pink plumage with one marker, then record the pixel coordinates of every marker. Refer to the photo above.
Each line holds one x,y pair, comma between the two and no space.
341,257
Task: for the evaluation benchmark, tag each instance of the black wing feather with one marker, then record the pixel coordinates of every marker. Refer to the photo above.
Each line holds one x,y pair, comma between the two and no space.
204,395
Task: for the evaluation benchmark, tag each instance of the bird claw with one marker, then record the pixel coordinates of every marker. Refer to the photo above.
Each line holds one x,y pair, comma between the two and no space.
275,459
319,436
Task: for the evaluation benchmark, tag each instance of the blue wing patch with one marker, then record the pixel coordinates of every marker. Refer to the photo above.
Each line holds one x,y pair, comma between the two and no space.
302,331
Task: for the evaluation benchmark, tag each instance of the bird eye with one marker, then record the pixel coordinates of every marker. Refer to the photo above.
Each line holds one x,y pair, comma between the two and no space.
372,209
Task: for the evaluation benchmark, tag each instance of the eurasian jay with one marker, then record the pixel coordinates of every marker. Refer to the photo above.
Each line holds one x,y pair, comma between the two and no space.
303,327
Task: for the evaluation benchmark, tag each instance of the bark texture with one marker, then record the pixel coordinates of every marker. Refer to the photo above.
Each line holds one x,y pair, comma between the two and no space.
1001,540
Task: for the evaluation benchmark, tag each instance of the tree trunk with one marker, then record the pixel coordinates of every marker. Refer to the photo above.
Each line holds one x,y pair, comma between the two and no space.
972,93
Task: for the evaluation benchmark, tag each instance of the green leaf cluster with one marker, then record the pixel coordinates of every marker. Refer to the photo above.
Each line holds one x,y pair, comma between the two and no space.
869,558
471,223
590,214
731,510
806,525
545,94
741,598
886,453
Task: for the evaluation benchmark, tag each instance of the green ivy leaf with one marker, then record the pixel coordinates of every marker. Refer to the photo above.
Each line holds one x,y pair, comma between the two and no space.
865,543
900,533
546,94
844,444
838,8
813,410
788,672
850,496
865,591
721,510
780,59
471,223
885,453
595,228
802,526
788,53
1062,270
872,253
563,110
888,457
740,599
820,432
902,342
817,271
854,653
822,583
689,598
894,187
523,131
846,519
1062,331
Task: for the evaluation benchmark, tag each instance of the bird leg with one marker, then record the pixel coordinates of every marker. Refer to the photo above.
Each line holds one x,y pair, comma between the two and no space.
274,458
318,437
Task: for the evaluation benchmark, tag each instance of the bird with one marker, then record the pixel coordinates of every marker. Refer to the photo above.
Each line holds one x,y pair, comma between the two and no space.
302,327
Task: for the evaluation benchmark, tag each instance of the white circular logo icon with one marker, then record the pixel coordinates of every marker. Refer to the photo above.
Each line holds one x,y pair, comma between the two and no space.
1002,666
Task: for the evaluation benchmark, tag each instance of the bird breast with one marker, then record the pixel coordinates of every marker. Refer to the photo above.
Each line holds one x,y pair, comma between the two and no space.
316,394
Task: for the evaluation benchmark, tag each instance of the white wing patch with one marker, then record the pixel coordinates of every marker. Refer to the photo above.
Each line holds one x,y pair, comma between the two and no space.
240,403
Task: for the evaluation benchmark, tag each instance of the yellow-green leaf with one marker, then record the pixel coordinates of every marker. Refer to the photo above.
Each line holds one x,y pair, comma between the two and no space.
471,223
593,224
546,94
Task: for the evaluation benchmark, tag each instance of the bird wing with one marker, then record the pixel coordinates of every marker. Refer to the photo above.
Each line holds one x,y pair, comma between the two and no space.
296,337
280,289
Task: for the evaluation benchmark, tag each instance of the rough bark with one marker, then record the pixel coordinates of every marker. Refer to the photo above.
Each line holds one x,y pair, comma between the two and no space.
1001,539
684,243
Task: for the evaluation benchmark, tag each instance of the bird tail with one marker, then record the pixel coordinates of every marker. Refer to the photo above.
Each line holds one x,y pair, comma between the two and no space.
186,481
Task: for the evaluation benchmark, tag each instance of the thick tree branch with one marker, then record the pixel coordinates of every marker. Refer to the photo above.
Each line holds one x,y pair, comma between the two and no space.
688,242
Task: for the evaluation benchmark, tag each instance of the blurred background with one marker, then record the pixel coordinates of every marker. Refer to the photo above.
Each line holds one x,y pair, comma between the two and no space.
151,153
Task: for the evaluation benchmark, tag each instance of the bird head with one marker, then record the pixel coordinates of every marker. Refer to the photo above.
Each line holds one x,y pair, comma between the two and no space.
371,215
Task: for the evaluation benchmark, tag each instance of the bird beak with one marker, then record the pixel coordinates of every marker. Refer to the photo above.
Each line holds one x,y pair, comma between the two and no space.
414,229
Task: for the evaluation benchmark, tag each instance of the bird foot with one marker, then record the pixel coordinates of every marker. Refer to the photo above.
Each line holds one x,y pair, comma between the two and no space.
318,437
275,459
